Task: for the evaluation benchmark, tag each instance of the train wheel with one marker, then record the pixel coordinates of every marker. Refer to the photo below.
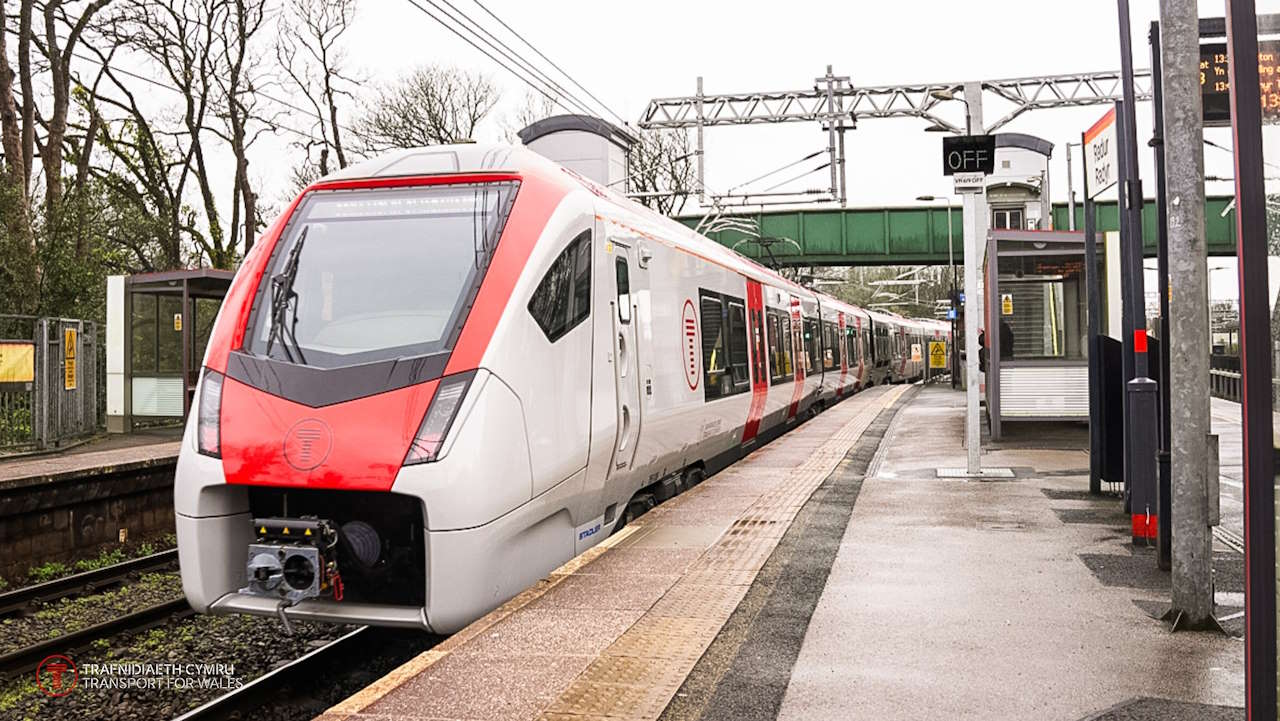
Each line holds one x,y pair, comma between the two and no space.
638,506
693,477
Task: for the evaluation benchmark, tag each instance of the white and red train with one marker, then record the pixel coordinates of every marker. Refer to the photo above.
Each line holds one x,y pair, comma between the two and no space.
446,371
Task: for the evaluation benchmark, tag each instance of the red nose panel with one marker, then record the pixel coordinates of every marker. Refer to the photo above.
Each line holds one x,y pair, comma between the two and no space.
356,446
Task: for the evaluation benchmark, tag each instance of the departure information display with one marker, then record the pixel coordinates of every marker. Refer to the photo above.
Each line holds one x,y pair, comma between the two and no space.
1215,87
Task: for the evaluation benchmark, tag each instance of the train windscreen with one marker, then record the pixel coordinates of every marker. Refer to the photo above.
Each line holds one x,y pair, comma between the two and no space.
373,275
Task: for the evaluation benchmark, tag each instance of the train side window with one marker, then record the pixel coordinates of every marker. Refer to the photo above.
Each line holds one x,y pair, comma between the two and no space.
725,363
562,299
813,344
779,347
624,291
849,340
788,362
738,366
830,348
713,361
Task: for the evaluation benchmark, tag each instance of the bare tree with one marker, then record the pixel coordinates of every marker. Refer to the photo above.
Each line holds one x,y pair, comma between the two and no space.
12,135
59,57
238,103
533,108
310,56
147,169
429,106
662,171
181,38
62,32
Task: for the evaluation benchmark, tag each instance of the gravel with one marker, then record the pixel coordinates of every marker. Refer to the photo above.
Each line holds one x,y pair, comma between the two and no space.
72,614
250,646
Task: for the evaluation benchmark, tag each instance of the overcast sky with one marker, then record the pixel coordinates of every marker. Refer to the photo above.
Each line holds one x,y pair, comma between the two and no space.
628,53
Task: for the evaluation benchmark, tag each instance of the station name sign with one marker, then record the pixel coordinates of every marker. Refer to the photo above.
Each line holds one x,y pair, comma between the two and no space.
1215,85
1100,156
969,154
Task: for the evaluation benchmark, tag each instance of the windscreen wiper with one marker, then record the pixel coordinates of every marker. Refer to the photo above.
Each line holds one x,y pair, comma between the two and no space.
284,304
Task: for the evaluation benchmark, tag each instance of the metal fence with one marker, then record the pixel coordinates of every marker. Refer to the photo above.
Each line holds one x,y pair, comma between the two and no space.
50,384
1229,385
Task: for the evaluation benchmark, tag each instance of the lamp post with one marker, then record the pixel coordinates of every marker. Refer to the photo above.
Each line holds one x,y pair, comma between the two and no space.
1071,193
968,113
951,261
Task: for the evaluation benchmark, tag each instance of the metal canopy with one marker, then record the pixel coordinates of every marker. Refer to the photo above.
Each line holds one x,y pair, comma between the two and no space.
203,282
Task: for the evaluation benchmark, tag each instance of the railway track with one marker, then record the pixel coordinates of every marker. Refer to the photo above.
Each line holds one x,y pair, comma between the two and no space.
87,582
28,657
293,686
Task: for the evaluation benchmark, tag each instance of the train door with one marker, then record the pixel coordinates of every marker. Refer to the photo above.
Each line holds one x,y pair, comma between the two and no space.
626,359
798,356
842,354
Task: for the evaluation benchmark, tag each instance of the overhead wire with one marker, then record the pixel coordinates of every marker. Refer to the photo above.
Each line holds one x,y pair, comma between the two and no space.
1224,148
519,59
779,169
824,166
519,76
561,70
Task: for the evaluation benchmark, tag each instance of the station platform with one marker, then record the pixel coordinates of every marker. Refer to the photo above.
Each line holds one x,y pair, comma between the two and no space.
832,575
113,453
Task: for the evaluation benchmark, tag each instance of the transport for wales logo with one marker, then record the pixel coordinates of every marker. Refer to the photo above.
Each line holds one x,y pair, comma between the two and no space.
57,676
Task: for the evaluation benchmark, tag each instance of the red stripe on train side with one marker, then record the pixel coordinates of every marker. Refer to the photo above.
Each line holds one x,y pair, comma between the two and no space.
759,373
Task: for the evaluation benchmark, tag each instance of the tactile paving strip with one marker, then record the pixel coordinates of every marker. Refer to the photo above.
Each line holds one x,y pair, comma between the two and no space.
696,600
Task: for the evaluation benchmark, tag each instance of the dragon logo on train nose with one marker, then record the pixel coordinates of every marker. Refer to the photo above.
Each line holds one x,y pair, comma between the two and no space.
307,444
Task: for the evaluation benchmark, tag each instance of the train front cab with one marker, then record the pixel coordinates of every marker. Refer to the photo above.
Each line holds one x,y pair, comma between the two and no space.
424,473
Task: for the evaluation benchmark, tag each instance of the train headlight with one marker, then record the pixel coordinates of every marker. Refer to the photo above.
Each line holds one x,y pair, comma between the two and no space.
208,425
439,418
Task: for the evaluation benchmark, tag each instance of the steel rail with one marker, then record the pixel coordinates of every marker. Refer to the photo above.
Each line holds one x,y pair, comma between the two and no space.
20,598
27,658
238,702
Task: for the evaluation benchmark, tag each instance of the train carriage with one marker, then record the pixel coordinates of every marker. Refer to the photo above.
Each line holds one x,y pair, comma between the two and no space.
446,371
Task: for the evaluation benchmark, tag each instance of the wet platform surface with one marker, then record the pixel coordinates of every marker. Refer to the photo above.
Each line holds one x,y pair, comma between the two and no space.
975,600
830,575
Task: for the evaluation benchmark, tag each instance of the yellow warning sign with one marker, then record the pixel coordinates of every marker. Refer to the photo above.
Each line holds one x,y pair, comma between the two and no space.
69,359
177,321
937,354
17,362
1006,304
915,353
